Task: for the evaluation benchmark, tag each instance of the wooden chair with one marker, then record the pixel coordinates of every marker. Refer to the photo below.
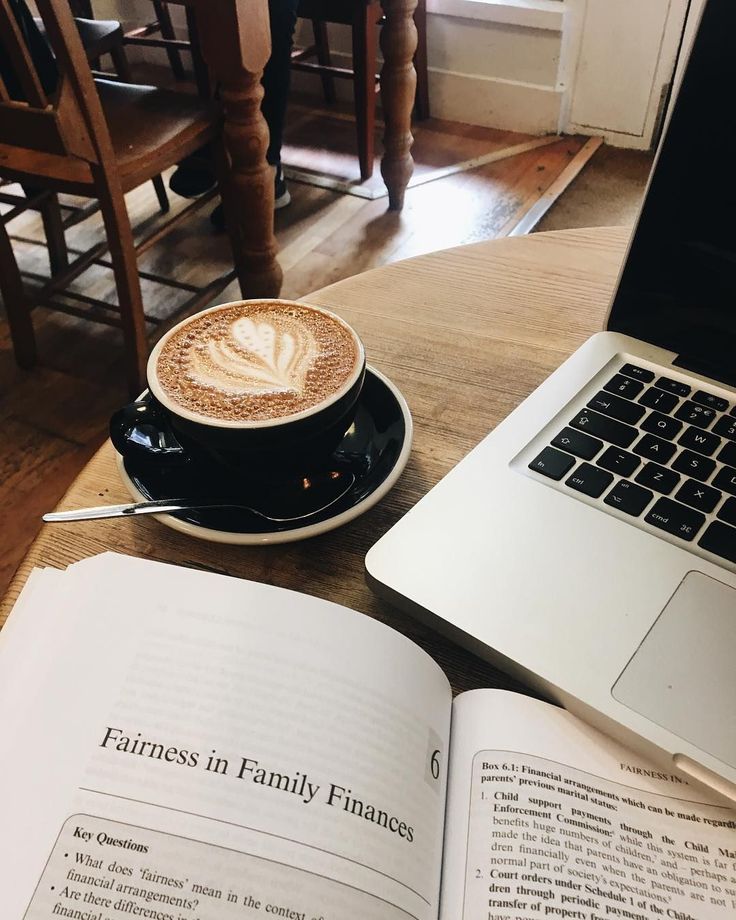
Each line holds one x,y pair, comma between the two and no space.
104,36
100,37
364,18
161,25
98,140
142,35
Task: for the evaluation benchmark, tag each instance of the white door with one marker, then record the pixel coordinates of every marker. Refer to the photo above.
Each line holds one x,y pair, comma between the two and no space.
618,61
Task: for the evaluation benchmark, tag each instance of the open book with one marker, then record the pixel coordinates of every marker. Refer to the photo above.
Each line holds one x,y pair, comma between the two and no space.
178,745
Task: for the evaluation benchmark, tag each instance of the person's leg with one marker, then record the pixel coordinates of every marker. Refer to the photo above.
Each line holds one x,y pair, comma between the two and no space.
277,73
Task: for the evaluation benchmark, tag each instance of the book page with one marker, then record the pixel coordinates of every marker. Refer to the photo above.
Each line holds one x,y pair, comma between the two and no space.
184,746
547,817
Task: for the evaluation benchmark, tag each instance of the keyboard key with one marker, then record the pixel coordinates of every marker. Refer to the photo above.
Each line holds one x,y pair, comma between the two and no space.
727,511
618,461
575,442
700,416
698,496
624,386
615,407
728,454
694,465
704,442
589,480
654,448
726,426
658,399
726,479
673,386
721,540
601,427
709,399
552,463
657,477
638,373
675,519
627,497
662,425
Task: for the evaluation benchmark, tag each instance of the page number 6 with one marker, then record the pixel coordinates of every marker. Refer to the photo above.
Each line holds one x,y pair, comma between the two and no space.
435,753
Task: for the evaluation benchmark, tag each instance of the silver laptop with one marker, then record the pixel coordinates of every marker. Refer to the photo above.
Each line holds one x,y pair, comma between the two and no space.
588,544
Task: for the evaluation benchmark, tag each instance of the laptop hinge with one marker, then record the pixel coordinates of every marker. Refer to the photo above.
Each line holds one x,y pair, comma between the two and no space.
718,372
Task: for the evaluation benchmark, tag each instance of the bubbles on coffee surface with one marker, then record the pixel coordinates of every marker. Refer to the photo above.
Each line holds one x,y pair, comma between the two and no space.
256,361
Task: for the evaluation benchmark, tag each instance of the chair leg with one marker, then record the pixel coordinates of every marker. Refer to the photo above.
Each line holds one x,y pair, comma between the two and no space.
53,227
322,47
365,38
125,268
163,198
120,63
167,31
421,103
17,308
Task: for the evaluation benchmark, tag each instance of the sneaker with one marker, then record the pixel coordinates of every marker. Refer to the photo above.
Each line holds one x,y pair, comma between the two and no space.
282,196
193,177
281,199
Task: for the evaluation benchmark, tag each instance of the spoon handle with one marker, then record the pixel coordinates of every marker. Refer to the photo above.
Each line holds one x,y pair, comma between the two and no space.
160,506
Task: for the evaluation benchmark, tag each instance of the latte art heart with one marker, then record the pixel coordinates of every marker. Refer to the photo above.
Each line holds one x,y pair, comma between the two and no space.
255,362
258,357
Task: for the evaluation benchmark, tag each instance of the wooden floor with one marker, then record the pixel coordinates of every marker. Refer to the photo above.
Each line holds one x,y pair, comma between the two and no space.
53,417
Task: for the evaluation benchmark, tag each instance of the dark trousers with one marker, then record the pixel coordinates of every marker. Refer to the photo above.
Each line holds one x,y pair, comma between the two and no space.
277,73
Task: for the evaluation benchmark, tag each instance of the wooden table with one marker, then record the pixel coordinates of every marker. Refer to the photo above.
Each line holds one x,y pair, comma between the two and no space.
235,42
466,334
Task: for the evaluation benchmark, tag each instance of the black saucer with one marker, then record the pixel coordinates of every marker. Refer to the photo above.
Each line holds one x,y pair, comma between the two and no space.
362,469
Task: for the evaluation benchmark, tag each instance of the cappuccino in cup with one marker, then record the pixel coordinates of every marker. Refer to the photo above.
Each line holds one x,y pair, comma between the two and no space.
259,386
255,364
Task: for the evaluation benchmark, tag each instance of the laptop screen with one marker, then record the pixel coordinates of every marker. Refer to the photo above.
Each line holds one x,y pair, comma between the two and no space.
678,287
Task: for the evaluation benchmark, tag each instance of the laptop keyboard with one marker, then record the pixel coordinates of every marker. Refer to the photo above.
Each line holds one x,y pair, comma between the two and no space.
655,449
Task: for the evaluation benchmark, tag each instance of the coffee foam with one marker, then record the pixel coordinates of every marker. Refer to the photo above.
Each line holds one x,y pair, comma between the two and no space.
256,361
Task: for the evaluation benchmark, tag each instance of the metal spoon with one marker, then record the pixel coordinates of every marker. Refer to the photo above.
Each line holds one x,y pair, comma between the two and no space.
167,505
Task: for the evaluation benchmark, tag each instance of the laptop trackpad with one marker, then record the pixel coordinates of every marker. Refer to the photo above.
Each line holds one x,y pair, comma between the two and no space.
683,676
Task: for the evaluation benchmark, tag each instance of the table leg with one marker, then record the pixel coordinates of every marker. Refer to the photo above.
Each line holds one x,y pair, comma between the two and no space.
398,88
235,42
251,184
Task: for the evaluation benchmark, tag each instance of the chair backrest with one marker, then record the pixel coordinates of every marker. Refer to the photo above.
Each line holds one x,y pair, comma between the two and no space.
48,100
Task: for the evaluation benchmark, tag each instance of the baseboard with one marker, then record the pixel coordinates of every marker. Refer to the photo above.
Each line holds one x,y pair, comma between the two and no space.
494,103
